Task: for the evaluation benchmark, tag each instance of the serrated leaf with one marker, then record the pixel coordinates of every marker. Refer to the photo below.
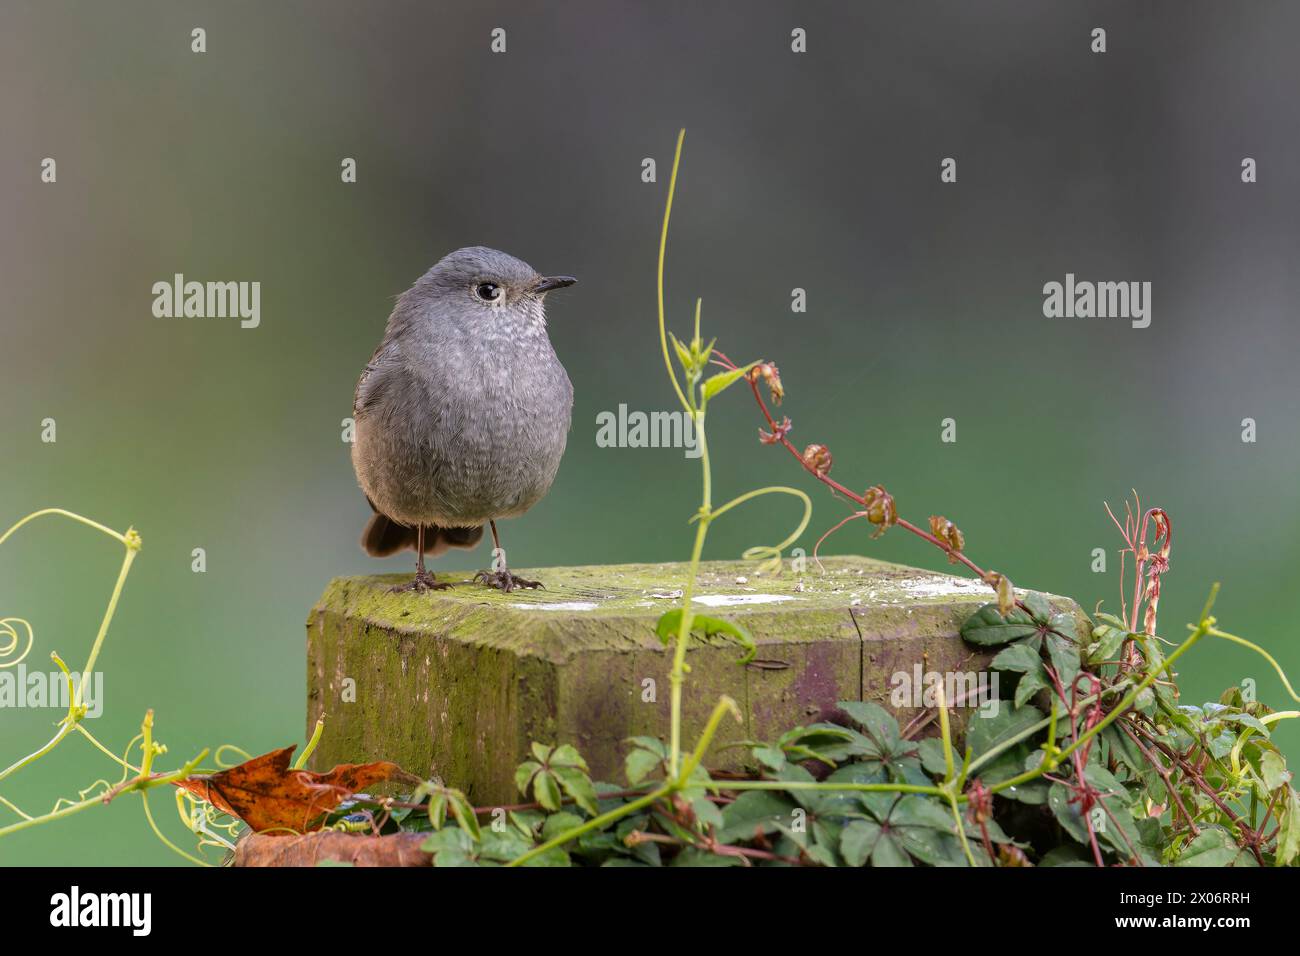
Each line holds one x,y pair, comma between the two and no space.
988,627
985,733
755,811
524,775
1031,684
931,752
1064,656
1272,769
639,764
546,790
578,786
1039,609
566,755
1107,642
558,823
1288,834
465,818
1213,847
1065,625
879,724
1019,657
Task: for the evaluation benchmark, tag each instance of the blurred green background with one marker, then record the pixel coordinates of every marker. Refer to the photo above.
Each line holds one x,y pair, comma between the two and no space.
818,171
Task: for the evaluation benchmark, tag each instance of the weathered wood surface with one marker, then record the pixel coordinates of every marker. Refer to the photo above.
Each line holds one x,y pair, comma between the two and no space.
457,683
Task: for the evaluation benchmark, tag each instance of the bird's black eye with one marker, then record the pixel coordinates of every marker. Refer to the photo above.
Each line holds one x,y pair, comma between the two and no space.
488,291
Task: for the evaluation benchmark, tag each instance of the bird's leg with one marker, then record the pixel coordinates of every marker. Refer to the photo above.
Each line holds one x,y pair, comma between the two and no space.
423,580
502,579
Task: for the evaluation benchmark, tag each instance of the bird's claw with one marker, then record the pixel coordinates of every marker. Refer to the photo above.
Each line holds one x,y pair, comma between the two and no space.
503,580
423,581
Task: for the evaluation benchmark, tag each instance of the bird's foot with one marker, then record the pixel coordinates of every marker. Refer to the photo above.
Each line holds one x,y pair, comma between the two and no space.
503,580
423,581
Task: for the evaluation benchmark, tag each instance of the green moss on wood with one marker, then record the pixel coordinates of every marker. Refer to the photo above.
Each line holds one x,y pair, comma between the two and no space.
457,683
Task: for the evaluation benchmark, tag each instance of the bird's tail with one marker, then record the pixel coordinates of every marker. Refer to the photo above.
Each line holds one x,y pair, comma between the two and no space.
384,537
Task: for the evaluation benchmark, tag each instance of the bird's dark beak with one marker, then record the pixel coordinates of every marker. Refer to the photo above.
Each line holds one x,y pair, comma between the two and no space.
548,283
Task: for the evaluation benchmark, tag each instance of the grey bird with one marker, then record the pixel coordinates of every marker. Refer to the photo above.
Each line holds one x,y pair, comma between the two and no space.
463,412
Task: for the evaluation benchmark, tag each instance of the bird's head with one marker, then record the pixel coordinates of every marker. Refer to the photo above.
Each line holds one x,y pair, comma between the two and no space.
486,293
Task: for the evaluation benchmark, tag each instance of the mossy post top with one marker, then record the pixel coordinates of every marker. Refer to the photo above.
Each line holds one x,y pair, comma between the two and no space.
526,620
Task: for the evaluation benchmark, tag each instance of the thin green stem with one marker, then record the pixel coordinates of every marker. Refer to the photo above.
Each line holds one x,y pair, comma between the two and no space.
663,246
724,706
64,514
814,786
311,745
1215,632
678,674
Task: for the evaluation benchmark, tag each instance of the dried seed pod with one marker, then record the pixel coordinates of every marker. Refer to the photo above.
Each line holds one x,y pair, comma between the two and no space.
879,505
949,534
782,429
1006,593
772,376
818,458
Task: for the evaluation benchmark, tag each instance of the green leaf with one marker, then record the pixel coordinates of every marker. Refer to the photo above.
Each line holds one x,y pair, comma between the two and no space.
858,840
985,733
1065,625
1064,656
707,813
1288,835
931,752
652,744
1067,814
450,847
558,823
1272,769
464,814
879,724
1213,847
717,383
1038,607
546,790
639,764
671,622
755,811
1066,855
438,810
566,755
773,758
524,775
691,856
1030,684
1107,642
683,354
1017,657
578,786
989,628
504,846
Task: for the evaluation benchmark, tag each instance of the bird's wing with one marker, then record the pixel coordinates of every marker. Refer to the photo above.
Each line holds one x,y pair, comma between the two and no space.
371,384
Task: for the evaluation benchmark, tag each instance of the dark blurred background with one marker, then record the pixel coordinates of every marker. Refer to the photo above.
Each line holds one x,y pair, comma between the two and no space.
818,171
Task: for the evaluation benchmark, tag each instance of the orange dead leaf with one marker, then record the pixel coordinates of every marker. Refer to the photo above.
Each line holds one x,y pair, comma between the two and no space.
266,793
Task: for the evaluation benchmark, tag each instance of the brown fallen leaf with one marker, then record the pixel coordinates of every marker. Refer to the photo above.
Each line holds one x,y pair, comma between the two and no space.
311,849
266,793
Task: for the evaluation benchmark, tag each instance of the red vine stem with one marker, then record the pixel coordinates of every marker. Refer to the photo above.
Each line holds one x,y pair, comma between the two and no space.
778,437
